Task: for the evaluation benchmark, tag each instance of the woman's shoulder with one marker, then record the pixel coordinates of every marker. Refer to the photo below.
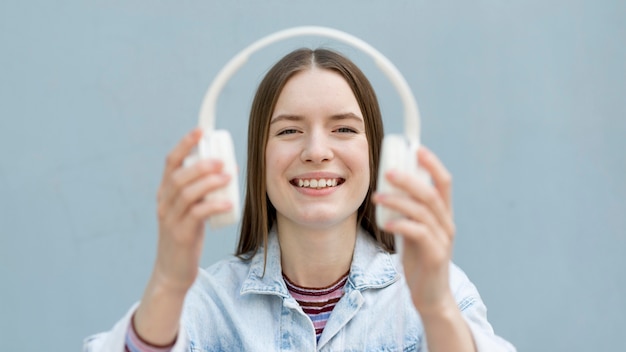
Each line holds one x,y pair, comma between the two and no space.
220,281
458,278
463,289
228,270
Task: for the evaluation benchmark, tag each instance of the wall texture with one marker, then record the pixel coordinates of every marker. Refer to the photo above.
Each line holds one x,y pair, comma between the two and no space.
523,100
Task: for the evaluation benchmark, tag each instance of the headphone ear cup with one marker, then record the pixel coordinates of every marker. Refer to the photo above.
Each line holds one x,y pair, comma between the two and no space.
219,145
396,154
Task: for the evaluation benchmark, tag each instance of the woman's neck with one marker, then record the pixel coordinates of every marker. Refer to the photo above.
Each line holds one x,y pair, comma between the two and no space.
313,257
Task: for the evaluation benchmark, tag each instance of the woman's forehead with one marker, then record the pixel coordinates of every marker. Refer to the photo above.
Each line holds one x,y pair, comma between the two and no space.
316,90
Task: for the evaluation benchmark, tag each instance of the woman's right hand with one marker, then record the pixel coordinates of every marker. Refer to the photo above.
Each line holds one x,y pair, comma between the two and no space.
182,212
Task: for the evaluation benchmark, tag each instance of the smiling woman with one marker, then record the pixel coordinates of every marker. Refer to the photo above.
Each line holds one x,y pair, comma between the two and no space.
313,271
352,95
327,140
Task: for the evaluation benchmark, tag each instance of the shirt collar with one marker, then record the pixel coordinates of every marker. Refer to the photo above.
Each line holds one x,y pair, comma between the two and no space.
372,267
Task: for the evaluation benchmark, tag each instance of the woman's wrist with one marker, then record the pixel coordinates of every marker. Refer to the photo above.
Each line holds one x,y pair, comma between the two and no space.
162,284
157,318
135,342
445,327
443,307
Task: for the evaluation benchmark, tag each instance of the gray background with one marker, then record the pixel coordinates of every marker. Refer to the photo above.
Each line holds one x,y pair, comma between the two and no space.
524,101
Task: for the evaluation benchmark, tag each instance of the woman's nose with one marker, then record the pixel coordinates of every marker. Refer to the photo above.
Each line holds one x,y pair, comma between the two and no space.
317,148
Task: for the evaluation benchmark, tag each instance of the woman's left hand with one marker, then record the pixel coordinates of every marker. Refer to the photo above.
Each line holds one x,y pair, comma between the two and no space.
427,229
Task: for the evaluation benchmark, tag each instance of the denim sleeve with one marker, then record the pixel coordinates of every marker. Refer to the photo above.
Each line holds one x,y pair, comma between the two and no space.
114,340
475,313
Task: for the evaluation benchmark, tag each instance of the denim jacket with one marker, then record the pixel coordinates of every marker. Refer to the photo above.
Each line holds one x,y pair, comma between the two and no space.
235,306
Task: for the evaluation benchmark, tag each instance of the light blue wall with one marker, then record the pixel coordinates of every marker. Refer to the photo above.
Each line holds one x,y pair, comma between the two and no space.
525,102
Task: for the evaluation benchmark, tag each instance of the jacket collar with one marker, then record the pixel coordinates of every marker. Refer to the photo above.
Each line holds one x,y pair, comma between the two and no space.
372,267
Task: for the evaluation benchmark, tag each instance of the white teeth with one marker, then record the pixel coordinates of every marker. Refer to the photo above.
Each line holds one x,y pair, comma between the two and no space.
321,183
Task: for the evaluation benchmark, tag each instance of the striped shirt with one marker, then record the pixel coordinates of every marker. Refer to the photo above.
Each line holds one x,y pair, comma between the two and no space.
317,303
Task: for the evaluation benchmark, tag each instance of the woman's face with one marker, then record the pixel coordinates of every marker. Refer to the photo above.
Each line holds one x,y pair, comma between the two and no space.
317,162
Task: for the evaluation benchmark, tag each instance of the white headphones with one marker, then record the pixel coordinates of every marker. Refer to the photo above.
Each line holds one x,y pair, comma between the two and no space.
398,152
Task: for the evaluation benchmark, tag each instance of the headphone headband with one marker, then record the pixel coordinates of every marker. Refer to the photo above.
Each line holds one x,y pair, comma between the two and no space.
411,112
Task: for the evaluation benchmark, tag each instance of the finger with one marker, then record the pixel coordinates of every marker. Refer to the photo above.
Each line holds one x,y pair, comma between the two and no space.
442,179
204,210
184,176
410,208
416,234
196,192
175,158
427,245
423,192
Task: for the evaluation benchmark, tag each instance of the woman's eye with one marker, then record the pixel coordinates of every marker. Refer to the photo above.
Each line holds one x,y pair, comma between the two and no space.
287,131
346,130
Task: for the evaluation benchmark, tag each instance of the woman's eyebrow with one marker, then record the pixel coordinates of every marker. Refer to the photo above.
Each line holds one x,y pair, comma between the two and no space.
286,117
348,115
290,117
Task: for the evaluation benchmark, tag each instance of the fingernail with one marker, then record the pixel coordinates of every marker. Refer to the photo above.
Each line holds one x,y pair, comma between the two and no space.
206,165
424,153
196,132
213,163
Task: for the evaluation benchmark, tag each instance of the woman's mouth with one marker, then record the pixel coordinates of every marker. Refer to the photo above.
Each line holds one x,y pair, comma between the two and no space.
317,183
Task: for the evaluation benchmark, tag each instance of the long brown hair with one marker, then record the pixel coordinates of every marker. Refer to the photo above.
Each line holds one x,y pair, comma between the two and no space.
259,214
